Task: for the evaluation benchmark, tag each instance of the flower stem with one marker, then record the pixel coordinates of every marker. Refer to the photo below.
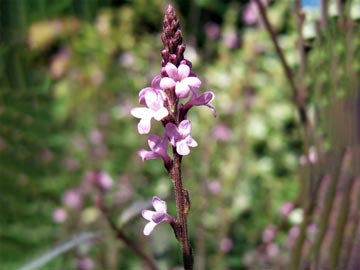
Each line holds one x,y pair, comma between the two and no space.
119,233
183,206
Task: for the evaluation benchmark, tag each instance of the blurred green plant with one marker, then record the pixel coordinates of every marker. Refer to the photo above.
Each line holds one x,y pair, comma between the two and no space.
71,71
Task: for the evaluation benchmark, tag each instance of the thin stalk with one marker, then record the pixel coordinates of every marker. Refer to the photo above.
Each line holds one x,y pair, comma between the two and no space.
325,215
183,207
342,218
119,233
324,13
298,97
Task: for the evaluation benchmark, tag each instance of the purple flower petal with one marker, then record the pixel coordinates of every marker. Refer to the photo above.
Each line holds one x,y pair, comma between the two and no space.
144,125
142,94
182,90
153,141
191,142
155,217
155,83
149,228
139,112
171,132
172,71
167,83
159,217
145,155
184,128
199,100
161,113
159,205
180,136
147,214
183,72
182,148
158,148
192,81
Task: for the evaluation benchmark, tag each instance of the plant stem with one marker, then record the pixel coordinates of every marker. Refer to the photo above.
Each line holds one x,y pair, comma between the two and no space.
123,237
183,206
299,98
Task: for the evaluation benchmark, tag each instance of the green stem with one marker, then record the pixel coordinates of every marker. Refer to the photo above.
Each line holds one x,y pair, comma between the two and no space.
183,207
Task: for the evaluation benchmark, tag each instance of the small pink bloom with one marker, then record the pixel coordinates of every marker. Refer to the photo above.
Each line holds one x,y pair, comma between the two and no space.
214,187
286,209
221,133
272,250
155,84
72,164
231,40
179,78
104,181
154,100
199,100
85,263
251,13
312,229
269,234
96,137
157,216
292,235
180,137
158,148
302,160
212,30
59,215
226,244
313,156
72,199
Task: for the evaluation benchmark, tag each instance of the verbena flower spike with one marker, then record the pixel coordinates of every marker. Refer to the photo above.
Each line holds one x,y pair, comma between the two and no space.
168,100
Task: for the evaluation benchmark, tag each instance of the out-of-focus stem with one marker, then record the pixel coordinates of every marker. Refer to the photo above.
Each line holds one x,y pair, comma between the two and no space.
119,233
183,207
298,97
324,219
352,224
342,217
324,13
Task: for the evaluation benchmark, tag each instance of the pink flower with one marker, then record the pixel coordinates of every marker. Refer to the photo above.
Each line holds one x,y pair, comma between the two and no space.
180,137
179,78
154,100
158,148
212,30
286,209
214,187
272,250
85,263
155,84
221,132
269,233
251,12
72,199
157,216
226,244
199,100
104,181
59,215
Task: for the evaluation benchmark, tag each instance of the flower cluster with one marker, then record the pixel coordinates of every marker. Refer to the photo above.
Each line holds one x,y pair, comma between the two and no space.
163,103
168,100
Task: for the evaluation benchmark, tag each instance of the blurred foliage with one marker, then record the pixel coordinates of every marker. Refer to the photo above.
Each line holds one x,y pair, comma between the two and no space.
71,72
